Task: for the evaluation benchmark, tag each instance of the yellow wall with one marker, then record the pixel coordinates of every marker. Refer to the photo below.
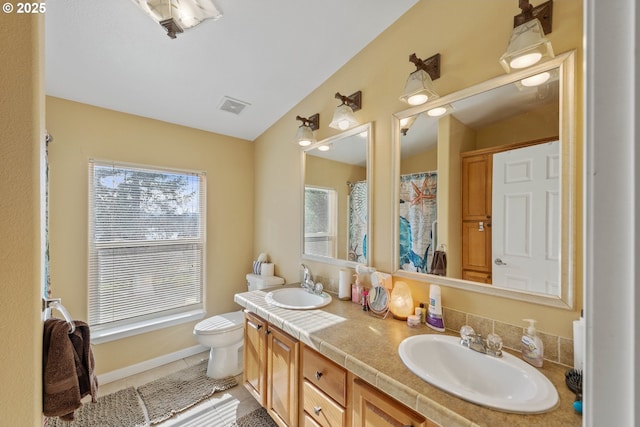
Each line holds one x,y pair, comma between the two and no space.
539,124
21,184
421,162
83,132
470,36
454,137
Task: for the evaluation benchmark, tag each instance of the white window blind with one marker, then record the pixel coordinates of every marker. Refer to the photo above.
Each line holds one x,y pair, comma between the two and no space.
320,221
146,243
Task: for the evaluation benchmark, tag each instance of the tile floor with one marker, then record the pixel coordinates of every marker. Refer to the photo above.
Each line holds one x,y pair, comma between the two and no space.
220,410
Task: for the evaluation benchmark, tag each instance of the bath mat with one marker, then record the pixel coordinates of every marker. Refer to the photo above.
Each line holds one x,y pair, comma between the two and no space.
257,418
118,409
167,396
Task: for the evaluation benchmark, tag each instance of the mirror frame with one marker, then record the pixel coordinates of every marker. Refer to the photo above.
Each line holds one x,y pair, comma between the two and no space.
368,127
567,132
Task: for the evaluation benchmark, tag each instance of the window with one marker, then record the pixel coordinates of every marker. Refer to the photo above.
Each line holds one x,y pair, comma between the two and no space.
146,248
320,217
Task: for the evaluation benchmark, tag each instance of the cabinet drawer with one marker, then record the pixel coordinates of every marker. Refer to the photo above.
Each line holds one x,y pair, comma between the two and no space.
325,374
308,421
321,409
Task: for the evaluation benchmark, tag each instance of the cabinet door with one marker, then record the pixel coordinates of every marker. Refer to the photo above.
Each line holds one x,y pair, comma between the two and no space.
282,374
255,356
476,246
476,187
476,217
372,408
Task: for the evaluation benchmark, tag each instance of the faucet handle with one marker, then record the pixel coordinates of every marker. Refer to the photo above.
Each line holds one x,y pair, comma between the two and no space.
467,333
318,288
494,344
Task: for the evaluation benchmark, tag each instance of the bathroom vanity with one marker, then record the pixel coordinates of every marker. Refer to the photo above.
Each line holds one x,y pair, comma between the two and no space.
339,366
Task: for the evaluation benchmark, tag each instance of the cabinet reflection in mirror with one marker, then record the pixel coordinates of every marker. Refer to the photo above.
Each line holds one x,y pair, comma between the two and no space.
486,190
336,199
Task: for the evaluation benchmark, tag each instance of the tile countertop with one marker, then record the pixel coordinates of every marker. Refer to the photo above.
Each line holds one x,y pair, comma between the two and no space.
368,346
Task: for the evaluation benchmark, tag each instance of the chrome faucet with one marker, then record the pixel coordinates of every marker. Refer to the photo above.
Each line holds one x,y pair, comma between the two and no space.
491,346
307,281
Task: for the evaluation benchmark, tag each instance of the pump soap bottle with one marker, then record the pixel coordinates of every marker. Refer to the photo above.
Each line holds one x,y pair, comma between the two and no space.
532,348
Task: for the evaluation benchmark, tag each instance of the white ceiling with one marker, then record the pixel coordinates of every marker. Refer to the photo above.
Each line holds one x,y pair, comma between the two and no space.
268,53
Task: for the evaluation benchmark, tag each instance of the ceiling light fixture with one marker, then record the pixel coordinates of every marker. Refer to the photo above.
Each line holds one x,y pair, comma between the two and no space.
419,87
528,44
304,136
175,16
343,117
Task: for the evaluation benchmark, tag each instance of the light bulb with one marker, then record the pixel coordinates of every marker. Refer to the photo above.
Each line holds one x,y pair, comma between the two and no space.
417,99
536,80
436,112
526,60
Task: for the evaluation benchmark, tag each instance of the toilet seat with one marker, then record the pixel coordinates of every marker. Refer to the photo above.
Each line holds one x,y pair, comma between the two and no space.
220,324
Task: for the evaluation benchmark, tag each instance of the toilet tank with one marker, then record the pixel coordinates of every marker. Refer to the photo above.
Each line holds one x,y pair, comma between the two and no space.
256,281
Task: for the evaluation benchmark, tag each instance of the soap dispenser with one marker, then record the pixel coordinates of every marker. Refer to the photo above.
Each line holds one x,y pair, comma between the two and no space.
532,348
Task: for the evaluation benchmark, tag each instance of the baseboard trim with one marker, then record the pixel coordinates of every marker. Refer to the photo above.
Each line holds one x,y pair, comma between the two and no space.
119,374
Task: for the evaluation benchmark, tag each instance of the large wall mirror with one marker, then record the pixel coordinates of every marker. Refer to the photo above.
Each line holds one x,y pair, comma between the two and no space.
486,189
337,198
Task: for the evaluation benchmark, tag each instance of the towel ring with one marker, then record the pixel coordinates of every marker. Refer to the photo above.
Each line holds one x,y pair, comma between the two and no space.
51,304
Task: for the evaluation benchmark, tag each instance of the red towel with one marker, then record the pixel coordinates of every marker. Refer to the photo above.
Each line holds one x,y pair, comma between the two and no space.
67,368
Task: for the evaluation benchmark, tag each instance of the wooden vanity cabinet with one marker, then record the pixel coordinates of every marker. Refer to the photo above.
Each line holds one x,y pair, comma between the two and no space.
374,408
324,391
271,369
300,387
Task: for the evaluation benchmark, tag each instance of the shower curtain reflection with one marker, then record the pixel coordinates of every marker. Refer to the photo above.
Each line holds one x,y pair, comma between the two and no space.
357,222
418,213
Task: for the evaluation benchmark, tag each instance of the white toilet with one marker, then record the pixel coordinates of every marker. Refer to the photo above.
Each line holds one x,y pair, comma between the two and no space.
224,334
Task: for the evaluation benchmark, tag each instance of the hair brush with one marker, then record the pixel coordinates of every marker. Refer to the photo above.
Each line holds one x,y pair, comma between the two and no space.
573,378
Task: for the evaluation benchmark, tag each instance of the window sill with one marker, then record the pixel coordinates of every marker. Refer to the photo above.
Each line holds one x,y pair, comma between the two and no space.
100,336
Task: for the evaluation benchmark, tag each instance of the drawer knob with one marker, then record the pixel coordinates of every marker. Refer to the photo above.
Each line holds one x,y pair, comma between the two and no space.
318,375
317,410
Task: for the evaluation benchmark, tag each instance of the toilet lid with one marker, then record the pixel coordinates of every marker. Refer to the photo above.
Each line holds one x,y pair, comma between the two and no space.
220,323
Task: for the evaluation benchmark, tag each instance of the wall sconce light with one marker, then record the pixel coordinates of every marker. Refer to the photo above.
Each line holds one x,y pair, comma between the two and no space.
528,44
343,117
419,87
304,136
175,16
406,123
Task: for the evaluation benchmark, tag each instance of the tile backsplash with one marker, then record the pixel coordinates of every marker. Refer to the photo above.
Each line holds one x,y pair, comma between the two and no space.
556,349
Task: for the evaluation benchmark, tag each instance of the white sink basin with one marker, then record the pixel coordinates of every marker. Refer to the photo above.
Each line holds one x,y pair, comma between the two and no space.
507,383
297,299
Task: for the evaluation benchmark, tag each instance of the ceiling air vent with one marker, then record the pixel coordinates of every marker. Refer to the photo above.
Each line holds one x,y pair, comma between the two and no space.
231,105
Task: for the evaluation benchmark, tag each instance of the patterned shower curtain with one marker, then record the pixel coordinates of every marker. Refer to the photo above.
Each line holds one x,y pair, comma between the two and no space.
357,222
418,213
